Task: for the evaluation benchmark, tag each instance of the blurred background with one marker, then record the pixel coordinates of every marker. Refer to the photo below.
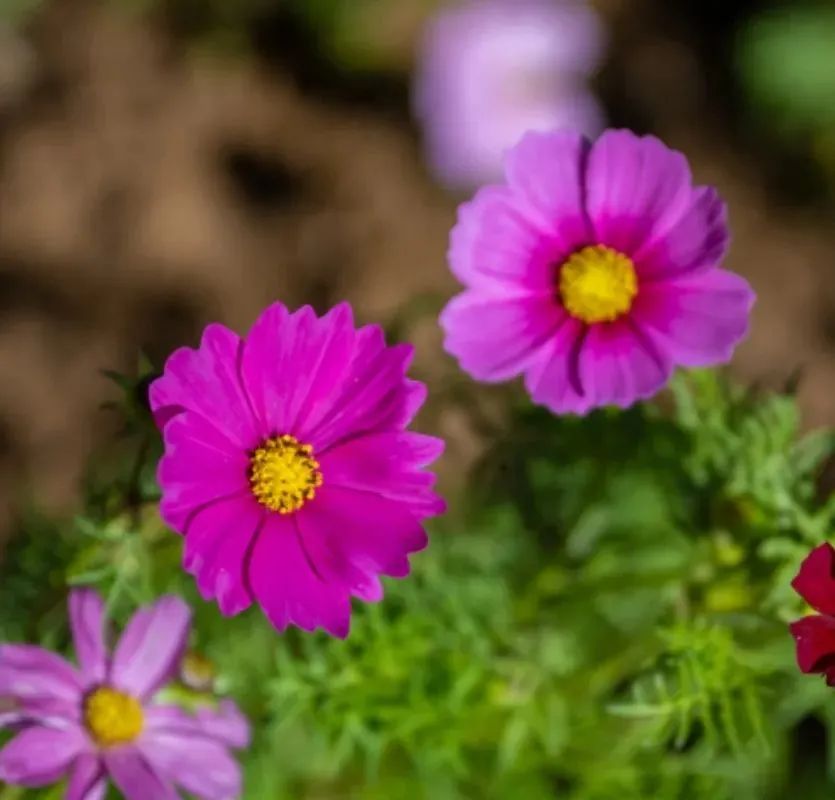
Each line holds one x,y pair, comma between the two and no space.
166,163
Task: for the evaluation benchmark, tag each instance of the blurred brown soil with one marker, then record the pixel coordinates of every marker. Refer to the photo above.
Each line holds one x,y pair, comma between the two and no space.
145,191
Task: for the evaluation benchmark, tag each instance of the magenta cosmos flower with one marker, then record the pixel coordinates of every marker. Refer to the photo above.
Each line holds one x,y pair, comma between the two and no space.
815,633
592,272
288,468
489,70
103,719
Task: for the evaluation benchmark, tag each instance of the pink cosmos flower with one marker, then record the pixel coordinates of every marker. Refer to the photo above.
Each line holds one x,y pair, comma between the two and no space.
288,467
489,70
815,633
593,272
103,720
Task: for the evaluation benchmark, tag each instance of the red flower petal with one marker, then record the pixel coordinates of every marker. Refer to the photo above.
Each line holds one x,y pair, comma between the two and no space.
815,639
815,582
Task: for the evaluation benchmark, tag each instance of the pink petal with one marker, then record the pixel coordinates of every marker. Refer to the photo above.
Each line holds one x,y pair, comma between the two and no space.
374,395
225,723
700,319
135,778
88,622
815,639
31,674
40,756
87,779
547,171
697,241
148,654
200,765
815,581
292,364
500,242
288,587
637,189
618,365
200,466
553,378
364,531
217,542
496,338
206,382
389,464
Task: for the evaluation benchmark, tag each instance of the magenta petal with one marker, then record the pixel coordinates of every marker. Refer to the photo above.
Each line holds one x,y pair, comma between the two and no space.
815,639
40,756
87,779
135,778
547,172
700,319
288,587
636,189
389,464
217,542
206,382
618,365
29,673
200,465
371,533
373,395
88,623
148,654
815,581
495,338
500,243
697,241
200,765
552,378
292,363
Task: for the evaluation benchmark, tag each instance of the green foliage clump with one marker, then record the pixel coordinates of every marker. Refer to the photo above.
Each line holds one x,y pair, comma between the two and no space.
602,615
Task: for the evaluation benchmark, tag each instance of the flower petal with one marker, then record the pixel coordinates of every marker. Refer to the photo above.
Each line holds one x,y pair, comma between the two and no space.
287,585
206,381
495,338
88,622
135,778
218,540
200,466
697,241
618,365
32,675
374,395
151,647
815,581
39,756
390,465
87,779
500,243
201,766
552,378
700,319
225,723
636,189
292,363
547,171
349,531
815,639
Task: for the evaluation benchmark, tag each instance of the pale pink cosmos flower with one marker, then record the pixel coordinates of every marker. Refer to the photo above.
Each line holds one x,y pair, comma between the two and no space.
288,467
490,70
103,719
593,271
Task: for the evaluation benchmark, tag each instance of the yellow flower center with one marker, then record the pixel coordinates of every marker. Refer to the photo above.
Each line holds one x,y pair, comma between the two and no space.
283,474
598,284
113,717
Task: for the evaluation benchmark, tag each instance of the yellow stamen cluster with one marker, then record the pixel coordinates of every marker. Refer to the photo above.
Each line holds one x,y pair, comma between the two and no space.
113,717
283,474
598,284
